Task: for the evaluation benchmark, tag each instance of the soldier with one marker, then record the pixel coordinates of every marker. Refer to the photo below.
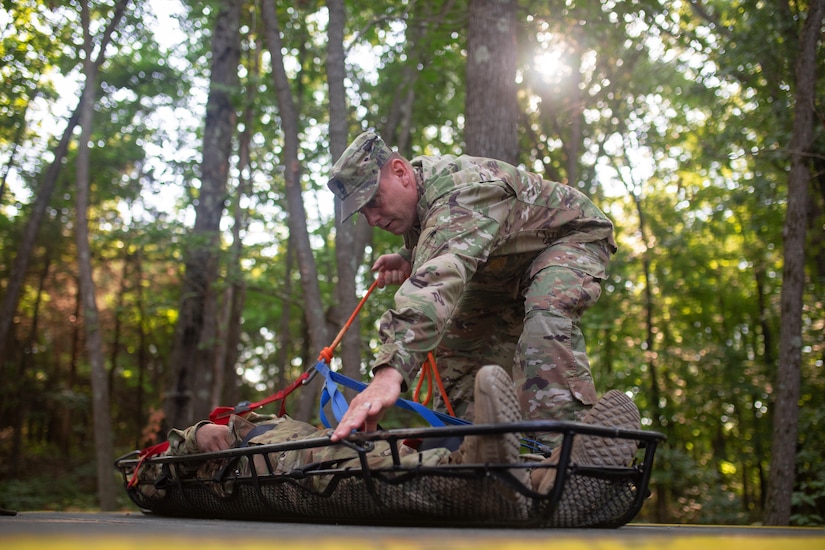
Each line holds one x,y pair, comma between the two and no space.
498,266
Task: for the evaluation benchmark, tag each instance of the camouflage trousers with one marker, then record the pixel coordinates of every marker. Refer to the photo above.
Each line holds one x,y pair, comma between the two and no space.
523,313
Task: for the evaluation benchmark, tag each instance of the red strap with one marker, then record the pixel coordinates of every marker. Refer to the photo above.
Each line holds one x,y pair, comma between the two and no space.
148,452
426,374
220,415
429,371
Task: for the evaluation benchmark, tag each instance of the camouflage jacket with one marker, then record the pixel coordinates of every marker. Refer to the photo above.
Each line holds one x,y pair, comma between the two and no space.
474,215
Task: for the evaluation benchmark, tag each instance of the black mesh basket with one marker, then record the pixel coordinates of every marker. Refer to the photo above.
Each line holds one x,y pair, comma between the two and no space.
449,494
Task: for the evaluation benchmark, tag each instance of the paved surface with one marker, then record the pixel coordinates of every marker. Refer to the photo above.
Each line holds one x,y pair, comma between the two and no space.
133,530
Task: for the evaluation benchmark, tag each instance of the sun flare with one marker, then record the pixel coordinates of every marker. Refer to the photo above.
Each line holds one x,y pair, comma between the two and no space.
551,65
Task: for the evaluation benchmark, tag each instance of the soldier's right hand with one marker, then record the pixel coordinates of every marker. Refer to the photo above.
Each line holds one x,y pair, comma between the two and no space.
393,269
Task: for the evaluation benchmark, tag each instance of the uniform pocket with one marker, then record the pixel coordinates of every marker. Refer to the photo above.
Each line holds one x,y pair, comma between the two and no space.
583,390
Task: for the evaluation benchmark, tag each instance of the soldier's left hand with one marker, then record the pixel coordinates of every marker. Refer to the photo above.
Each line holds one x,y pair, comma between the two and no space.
213,437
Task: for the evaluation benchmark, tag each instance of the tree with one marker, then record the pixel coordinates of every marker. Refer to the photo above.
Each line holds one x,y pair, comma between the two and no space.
82,115
786,414
225,384
94,343
314,310
22,258
348,246
491,110
192,358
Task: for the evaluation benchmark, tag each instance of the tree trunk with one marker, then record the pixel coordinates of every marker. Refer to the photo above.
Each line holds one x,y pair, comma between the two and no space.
140,416
313,306
226,386
634,190
283,358
193,351
491,111
117,330
346,243
573,144
19,385
786,404
94,339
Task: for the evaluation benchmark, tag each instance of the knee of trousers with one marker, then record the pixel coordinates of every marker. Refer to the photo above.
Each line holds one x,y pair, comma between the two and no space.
551,367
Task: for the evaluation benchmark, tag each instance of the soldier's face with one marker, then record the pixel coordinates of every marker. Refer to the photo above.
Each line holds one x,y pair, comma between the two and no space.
393,208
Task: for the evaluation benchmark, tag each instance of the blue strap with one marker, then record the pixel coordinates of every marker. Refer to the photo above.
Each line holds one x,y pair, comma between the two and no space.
331,393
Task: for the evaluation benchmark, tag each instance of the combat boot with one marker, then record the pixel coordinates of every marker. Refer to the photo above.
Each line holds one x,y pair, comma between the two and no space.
615,410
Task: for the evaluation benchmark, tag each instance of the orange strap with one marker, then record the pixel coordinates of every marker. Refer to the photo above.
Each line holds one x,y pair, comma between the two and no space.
430,371
326,353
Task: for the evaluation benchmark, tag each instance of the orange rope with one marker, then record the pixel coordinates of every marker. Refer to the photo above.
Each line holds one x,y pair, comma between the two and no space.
428,371
428,374
326,353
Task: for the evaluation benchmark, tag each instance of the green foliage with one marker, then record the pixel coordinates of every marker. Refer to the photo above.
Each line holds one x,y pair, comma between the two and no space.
809,496
52,482
673,116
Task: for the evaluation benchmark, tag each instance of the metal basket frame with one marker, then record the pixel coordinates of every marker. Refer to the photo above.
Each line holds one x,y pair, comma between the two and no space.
582,495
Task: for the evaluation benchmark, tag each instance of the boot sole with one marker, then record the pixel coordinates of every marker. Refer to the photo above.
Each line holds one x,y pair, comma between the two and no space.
614,410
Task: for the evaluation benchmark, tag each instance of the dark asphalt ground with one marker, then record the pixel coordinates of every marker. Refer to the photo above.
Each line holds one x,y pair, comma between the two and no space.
127,530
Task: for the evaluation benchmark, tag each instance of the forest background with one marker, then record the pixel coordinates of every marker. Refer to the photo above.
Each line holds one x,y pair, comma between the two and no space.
168,244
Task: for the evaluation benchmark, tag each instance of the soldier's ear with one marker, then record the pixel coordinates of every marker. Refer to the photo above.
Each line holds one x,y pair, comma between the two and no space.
396,166
402,171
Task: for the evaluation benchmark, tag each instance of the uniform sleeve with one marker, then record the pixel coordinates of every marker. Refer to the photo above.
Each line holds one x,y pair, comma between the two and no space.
184,442
456,238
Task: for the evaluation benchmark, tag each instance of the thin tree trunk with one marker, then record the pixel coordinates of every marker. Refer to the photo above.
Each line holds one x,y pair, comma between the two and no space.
786,404
94,341
283,359
19,132
18,411
346,243
236,294
633,189
573,145
313,306
193,353
139,415
117,330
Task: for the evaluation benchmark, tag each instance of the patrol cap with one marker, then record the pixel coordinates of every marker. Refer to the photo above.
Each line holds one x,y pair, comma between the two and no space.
354,178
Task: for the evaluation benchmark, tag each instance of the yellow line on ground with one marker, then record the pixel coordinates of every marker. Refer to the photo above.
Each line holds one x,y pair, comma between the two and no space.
555,540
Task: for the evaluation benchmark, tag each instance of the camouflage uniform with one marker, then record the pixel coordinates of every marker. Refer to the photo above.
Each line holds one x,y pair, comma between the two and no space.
504,263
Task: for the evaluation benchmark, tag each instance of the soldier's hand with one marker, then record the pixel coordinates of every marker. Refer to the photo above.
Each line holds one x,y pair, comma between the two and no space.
213,437
368,407
393,269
